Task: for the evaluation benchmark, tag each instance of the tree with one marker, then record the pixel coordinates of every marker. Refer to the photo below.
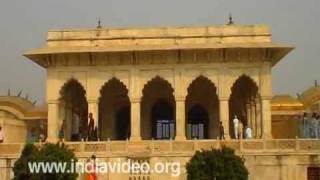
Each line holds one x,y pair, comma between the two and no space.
20,168
54,153
216,164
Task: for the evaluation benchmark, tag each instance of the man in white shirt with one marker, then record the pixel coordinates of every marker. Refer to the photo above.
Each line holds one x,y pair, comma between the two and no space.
1,135
235,126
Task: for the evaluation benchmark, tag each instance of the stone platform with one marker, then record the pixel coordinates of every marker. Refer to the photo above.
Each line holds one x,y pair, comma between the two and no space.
282,159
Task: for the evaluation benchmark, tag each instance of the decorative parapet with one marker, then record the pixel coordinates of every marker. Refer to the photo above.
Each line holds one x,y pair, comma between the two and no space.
179,148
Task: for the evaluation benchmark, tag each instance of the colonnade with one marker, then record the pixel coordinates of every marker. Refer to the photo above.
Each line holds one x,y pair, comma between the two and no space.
258,116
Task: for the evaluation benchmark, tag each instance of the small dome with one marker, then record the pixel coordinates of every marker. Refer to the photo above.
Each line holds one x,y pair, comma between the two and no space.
282,102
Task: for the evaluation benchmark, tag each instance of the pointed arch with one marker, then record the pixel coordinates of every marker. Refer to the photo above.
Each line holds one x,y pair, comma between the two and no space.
114,111
157,99
202,99
242,103
244,76
72,83
247,83
73,110
157,78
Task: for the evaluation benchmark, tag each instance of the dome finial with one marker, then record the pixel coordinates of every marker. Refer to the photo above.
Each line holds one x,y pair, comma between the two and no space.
231,22
99,24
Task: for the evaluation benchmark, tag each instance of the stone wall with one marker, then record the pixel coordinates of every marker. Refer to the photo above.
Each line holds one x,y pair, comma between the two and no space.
286,159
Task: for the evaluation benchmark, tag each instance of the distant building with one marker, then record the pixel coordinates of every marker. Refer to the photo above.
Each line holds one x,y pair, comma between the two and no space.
287,113
311,99
20,119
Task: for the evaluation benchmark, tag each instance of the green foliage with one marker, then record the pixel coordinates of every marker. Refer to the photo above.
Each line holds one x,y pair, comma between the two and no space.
47,153
20,168
220,164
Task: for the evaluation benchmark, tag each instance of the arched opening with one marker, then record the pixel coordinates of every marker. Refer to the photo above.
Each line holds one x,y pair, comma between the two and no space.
73,111
123,123
114,111
202,106
163,126
158,110
243,104
197,123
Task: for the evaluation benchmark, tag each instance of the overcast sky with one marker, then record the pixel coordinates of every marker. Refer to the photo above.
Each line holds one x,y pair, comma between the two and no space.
24,24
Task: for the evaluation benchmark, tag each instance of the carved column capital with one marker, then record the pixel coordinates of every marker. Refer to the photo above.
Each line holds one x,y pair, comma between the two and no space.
223,98
180,98
135,100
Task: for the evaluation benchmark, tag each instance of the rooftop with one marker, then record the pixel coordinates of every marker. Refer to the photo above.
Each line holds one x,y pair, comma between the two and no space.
286,104
23,108
101,40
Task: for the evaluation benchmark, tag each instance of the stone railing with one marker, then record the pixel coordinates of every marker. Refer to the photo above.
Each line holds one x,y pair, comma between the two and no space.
168,148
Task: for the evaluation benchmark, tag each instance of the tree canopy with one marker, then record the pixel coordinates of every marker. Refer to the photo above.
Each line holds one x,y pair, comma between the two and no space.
216,164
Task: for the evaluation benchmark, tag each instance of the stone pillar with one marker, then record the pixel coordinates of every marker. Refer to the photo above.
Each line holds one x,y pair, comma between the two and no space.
253,118
180,119
224,115
266,117
53,121
135,120
93,107
258,118
248,113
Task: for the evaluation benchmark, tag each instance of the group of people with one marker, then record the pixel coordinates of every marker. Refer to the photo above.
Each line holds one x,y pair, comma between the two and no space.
240,131
88,133
310,126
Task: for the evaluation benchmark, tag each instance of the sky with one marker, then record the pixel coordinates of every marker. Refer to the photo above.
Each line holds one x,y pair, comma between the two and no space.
24,25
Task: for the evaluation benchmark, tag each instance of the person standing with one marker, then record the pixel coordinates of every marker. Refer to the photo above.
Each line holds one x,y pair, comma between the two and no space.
1,135
304,126
236,126
91,127
314,126
318,125
92,169
248,132
61,131
221,131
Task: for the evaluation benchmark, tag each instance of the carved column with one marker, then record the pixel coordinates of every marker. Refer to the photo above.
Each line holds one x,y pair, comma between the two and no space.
53,121
224,115
266,94
248,113
258,118
266,117
180,119
135,120
253,118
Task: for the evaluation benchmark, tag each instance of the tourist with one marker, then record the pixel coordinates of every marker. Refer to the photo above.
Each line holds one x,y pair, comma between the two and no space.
42,137
91,127
92,168
1,135
248,132
314,126
318,125
236,126
61,131
221,131
304,126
